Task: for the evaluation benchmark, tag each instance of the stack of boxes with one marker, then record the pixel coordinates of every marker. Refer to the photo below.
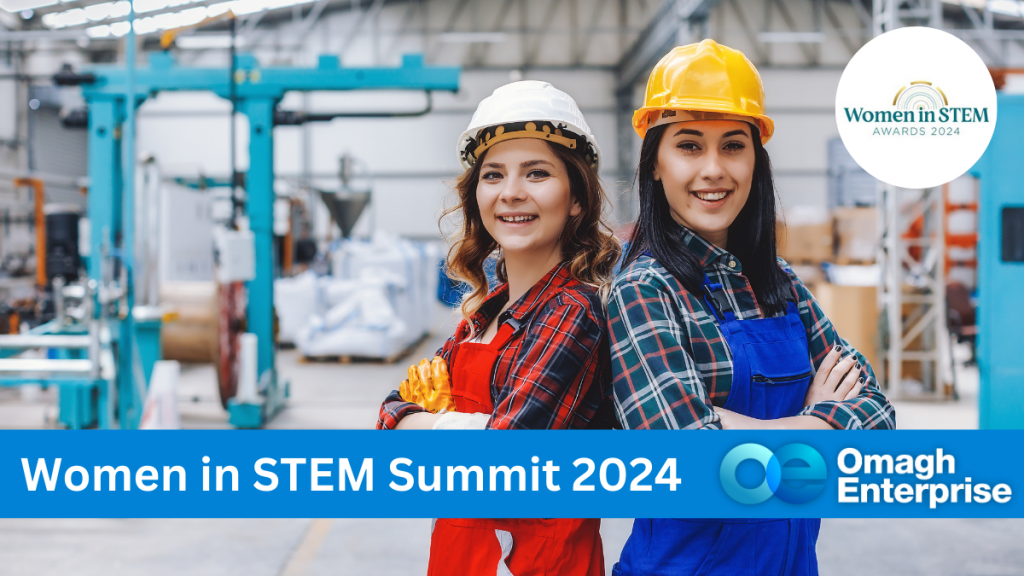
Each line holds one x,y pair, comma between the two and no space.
843,241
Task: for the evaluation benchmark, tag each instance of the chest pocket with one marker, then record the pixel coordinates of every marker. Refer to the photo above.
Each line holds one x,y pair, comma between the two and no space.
778,378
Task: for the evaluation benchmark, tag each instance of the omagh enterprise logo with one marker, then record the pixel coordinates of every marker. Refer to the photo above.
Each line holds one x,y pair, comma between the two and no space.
795,473
918,109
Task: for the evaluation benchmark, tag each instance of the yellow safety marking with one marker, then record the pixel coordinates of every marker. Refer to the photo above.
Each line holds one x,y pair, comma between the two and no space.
307,548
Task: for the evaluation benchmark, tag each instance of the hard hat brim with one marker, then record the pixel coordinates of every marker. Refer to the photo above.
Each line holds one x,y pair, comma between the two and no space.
642,118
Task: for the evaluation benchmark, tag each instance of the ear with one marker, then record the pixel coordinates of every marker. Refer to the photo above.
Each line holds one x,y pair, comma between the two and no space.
575,209
657,174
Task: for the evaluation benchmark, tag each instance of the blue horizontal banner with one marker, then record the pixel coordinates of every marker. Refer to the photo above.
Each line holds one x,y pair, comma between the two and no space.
481,474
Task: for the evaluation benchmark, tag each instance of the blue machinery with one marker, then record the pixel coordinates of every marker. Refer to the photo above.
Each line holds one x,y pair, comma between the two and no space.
121,344
1001,271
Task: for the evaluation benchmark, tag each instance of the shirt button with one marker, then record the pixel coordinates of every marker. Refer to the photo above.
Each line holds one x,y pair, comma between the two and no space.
732,263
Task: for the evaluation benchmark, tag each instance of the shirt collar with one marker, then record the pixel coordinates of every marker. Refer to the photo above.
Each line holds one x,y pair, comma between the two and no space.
557,278
707,253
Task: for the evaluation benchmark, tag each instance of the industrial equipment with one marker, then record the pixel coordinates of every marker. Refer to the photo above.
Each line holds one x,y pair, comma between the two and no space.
1001,271
348,202
112,93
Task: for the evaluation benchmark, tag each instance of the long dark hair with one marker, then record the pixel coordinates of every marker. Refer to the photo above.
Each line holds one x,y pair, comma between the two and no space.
751,235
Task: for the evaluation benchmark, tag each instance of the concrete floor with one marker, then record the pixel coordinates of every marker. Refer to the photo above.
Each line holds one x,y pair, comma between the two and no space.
348,396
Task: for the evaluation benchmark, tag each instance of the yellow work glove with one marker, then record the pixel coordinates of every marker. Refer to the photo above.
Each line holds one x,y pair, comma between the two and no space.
429,386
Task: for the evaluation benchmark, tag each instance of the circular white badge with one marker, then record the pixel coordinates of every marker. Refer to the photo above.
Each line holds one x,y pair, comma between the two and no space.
916,107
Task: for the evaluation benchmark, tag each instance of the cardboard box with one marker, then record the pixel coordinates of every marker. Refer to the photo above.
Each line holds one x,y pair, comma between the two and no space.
856,234
809,274
805,242
853,310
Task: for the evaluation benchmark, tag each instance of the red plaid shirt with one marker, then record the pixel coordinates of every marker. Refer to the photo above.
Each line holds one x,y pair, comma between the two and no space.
554,373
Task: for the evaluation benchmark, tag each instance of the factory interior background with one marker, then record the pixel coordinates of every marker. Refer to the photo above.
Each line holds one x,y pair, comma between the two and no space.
354,180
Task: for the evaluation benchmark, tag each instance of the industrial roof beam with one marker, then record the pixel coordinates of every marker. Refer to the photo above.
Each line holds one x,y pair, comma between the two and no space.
411,12
595,19
851,46
549,16
363,18
453,19
482,52
760,50
310,20
670,26
809,53
985,24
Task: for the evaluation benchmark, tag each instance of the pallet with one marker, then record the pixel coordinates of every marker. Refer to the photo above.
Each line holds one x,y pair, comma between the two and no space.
845,261
350,359
815,263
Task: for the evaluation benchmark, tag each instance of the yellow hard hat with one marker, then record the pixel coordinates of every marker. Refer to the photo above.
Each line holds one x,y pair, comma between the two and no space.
705,81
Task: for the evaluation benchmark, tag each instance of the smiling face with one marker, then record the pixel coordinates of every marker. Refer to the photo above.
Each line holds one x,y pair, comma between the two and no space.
706,168
525,198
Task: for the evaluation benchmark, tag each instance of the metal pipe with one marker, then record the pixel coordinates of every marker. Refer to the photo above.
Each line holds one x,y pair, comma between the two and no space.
39,198
22,365
236,203
58,300
25,341
295,118
52,179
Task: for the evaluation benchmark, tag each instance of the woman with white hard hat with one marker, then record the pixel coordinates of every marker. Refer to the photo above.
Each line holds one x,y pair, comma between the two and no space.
532,351
709,329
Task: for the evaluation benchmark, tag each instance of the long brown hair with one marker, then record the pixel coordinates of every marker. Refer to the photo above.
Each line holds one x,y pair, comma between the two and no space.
587,240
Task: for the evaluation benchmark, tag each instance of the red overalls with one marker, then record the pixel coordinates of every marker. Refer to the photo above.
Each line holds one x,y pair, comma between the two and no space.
542,546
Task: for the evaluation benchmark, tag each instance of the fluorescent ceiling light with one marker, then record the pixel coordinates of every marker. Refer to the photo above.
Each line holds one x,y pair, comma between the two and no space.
791,37
207,41
19,5
1006,7
151,24
976,4
472,37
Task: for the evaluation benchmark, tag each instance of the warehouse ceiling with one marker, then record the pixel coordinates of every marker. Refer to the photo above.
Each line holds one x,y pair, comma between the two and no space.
520,34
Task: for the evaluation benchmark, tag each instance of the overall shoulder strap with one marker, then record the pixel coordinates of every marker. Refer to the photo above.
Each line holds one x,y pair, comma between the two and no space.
717,301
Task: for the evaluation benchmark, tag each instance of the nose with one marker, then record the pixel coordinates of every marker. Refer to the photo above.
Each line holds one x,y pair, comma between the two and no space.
513,191
711,171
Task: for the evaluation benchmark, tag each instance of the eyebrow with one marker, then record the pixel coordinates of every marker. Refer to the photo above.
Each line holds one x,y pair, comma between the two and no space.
527,164
699,133
689,131
530,163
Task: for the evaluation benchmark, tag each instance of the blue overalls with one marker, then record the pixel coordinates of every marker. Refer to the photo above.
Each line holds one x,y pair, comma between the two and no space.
771,372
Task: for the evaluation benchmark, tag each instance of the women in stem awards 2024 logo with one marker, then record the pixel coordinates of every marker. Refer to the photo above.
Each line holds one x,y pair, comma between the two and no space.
916,133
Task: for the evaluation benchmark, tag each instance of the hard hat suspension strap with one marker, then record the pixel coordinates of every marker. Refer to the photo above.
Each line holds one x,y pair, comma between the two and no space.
540,130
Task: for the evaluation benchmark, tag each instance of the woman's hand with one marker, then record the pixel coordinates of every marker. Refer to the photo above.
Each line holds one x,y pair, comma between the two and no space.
837,380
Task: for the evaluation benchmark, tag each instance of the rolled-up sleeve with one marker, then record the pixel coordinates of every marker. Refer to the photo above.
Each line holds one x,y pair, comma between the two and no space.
394,409
655,381
868,410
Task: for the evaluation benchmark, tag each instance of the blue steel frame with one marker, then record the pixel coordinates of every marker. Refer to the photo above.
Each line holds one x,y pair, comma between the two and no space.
258,90
83,402
1000,292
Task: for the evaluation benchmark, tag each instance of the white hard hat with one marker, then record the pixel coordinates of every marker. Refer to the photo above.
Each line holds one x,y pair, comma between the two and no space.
527,109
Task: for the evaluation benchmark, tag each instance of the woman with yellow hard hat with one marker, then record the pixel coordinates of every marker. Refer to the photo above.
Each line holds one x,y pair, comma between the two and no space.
709,328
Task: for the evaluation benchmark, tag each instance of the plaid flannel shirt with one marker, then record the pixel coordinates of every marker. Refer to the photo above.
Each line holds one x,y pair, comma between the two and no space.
671,364
554,373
